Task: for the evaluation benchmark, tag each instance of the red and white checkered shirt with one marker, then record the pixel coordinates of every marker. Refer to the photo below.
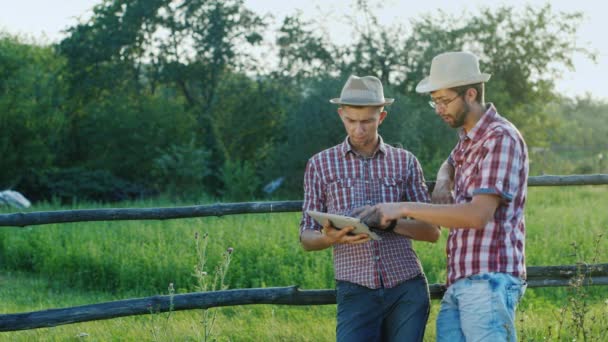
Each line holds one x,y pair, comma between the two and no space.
338,180
490,159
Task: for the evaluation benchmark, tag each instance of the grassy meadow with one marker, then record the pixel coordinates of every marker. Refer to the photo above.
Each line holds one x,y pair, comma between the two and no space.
54,266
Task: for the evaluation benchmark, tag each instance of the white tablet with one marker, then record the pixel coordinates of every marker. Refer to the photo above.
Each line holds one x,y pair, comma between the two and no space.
340,221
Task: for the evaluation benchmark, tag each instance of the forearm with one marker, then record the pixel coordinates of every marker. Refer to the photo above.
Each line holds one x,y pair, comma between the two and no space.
418,230
466,215
313,240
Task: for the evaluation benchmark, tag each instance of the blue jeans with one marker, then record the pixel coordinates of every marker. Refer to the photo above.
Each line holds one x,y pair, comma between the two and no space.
396,314
480,308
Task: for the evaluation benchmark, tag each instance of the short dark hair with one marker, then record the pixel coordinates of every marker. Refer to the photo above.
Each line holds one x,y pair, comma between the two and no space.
477,86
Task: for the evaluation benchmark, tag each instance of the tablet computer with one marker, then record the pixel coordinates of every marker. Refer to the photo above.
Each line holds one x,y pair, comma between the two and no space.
340,221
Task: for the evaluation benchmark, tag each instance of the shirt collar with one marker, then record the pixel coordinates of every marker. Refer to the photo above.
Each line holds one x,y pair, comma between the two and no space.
346,147
481,126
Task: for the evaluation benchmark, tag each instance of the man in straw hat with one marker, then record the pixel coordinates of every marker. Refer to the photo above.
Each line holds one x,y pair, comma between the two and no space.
382,293
480,195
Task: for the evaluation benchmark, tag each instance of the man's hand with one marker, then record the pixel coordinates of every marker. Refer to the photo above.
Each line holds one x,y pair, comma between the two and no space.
442,193
380,215
334,235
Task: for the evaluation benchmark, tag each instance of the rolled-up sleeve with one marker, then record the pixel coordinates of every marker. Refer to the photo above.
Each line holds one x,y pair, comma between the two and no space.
500,169
416,189
314,197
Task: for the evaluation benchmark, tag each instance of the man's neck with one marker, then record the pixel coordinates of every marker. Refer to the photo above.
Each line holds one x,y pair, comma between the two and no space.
367,151
476,112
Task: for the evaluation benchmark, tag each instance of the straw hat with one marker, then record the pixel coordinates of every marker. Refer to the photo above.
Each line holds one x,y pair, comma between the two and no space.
452,69
362,91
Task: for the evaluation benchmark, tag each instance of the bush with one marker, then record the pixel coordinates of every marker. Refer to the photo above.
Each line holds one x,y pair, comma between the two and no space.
181,170
240,181
77,184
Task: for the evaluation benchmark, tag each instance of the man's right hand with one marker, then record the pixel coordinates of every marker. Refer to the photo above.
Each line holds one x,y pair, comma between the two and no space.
334,235
442,193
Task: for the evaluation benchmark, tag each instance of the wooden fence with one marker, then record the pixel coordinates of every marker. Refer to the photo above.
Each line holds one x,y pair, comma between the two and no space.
538,276
222,209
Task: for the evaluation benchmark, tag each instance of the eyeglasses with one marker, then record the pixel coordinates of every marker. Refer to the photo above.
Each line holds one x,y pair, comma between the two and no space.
443,103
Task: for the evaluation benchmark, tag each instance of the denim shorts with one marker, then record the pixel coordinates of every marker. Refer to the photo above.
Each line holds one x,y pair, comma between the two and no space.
480,308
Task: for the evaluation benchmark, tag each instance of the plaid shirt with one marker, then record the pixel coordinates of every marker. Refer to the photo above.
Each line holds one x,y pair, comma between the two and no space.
337,180
491,159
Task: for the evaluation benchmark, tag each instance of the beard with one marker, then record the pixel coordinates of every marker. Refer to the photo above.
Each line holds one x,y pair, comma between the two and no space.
461,116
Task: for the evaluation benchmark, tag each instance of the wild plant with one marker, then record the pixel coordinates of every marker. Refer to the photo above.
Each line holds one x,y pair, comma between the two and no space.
574,318
159,321
205,282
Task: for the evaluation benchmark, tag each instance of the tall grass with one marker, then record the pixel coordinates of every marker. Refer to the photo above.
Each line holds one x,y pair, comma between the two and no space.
144,256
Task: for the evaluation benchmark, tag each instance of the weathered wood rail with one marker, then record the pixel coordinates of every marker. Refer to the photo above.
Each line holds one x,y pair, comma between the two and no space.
222,209
539,276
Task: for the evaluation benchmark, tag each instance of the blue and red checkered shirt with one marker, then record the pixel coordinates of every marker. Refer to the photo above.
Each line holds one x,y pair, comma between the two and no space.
337,180
490,159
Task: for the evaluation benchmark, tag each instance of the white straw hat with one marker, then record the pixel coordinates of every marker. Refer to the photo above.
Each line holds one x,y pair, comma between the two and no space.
362,91
452,69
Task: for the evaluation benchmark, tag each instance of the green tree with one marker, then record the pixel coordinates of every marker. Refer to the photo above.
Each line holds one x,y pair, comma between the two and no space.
32,94
580,143
207,40
105,58
303,52
174,55
524,50
123,133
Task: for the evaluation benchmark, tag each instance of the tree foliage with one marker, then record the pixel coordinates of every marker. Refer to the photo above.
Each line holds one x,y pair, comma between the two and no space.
170,95
32,120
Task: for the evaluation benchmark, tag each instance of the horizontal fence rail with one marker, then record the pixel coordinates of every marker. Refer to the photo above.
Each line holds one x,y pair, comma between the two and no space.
222,209
539,276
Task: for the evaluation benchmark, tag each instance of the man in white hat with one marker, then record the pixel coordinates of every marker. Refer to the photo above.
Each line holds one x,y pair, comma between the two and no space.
382,293
480,195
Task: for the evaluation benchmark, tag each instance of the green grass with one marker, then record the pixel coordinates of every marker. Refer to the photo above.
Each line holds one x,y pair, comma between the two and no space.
82,263
145,256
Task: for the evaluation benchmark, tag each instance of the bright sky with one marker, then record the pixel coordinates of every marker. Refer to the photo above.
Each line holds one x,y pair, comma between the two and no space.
46,19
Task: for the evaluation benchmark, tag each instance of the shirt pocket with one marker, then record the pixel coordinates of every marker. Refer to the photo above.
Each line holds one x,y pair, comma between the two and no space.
340,196
391,190
469,181
468,175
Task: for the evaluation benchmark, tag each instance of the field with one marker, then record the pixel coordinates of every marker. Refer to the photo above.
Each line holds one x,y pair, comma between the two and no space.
55,266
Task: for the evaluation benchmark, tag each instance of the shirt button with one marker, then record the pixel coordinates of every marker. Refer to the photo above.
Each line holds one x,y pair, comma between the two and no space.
369,202
377,258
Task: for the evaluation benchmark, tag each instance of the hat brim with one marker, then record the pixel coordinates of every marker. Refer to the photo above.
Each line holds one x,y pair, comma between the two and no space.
349,102
426,86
